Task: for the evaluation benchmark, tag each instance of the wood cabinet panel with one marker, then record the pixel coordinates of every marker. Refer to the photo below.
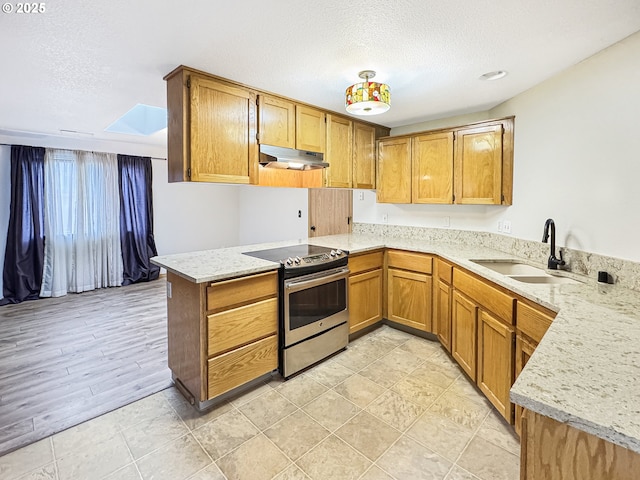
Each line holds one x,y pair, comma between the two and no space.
489,297
367,261
364,156
365,299
495,361
533,321
238,291
415,262
556,451
394,170
310,129
242,365
222,133
233,328
464,328
432,168
409,298
524,350
478,168
339,152
442,313
277,121
445,271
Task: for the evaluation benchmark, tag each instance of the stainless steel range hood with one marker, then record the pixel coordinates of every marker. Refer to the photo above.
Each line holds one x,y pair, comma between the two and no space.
279,157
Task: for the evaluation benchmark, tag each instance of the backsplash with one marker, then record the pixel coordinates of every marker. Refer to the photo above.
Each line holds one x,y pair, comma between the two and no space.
625,273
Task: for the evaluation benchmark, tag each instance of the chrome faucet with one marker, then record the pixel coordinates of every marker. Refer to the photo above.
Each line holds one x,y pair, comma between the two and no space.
553,262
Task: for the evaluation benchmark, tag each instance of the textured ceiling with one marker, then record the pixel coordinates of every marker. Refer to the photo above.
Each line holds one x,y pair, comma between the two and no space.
81,65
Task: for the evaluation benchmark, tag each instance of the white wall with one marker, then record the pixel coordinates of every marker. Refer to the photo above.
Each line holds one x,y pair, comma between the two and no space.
575,160
193,216
270,214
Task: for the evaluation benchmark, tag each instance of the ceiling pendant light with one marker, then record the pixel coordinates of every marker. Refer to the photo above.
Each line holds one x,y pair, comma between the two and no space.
368,98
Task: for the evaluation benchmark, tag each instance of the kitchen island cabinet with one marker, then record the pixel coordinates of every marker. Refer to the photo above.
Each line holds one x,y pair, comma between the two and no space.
221,335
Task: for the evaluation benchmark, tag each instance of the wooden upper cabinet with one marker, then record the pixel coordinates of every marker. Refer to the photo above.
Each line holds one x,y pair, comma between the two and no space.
478,169
339,152
277,121
223,132
310,129
394,170
432,168
364,156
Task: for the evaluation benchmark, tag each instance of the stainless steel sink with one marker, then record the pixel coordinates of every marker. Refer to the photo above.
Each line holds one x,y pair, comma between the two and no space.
508,267
544,279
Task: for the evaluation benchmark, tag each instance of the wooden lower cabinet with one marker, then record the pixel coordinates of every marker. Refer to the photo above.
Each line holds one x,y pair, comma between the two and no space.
365,290
442,314
495,361
556,451
524,350
221,335
464,328
409,297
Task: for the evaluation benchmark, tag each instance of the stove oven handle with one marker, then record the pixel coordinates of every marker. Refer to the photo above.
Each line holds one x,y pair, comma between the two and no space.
295,285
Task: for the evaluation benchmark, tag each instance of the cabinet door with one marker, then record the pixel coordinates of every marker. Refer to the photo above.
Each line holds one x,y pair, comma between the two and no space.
394,170
277,121
223,133
310,129
478,165
464,315
495,362
442,314
365,299
339,153
409,298
524,350
432,168
364,156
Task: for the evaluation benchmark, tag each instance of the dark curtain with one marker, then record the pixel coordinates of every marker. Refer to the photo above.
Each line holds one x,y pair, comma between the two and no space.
136,219
24,256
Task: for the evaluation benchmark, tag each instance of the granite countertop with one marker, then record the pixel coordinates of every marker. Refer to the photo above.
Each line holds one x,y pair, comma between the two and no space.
584,372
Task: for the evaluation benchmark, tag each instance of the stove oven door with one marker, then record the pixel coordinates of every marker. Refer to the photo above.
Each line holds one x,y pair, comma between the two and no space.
315,303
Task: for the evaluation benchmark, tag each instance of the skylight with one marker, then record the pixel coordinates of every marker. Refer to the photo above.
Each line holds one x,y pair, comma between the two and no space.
140,120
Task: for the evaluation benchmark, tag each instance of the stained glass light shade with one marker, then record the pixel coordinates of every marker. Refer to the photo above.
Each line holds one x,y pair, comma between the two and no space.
368,98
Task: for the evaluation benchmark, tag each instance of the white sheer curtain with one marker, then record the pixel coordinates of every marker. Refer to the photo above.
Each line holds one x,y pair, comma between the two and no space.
82,222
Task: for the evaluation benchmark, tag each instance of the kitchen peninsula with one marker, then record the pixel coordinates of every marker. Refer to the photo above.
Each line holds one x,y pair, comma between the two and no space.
582,376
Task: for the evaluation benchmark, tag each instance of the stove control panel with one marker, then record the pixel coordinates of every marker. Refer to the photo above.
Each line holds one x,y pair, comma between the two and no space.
293,262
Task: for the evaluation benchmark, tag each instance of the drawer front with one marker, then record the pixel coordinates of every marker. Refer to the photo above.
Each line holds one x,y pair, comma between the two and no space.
533,322
240,366
233,328
241,290
368,261
415,262
445,271
487,296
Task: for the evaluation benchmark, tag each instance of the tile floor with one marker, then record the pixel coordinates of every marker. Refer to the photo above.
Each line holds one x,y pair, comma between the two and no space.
392,406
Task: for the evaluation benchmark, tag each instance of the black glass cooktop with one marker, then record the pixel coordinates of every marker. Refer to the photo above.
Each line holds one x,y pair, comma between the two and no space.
282,253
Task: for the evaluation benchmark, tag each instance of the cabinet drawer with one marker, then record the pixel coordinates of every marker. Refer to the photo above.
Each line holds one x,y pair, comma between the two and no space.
236,327
242,365
445,271
415,262
533,322
368,261
241,290
487,296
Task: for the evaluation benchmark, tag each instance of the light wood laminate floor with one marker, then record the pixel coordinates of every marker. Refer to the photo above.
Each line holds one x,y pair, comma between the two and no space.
68,359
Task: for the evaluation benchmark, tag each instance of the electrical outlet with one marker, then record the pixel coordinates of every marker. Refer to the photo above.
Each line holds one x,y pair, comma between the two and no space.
446,221
506,226
385,218
360,195
500,226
